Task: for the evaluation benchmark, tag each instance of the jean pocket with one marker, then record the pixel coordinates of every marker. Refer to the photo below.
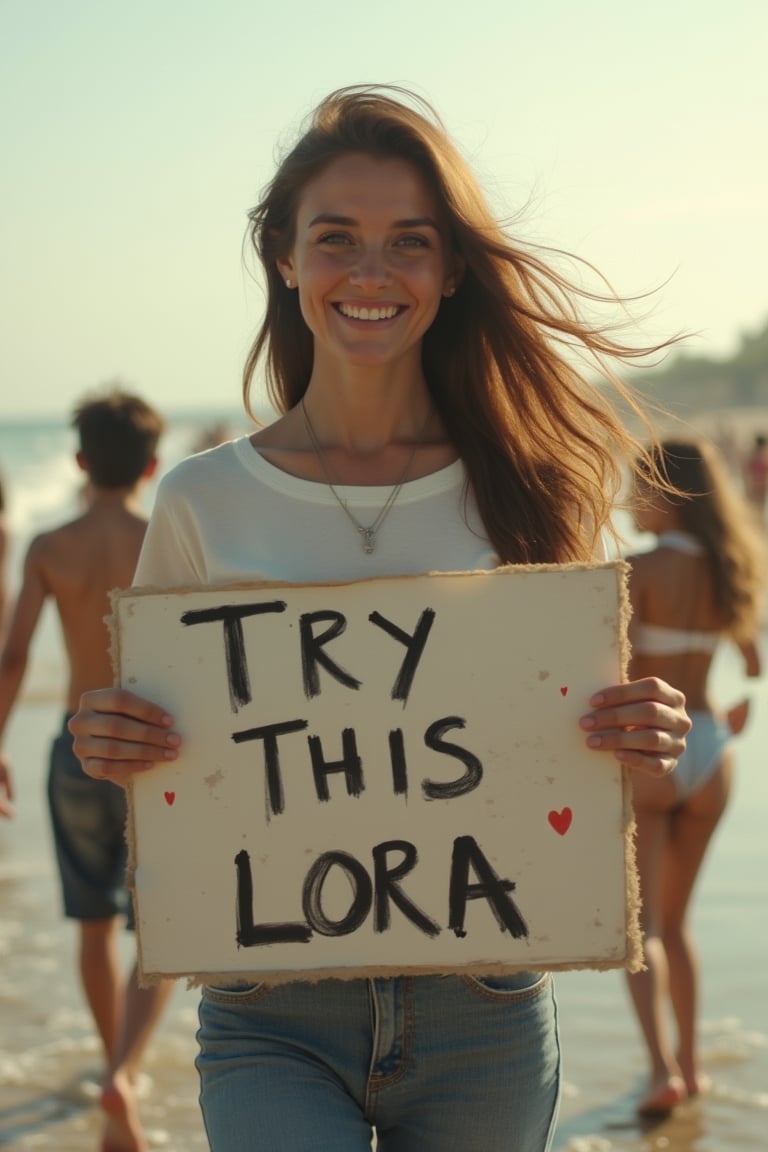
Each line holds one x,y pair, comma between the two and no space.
235,993
509,987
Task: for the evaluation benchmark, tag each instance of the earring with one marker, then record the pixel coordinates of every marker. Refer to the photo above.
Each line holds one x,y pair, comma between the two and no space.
449,291
288,282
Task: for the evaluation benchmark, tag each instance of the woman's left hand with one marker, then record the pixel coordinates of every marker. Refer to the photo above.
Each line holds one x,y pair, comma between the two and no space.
643,722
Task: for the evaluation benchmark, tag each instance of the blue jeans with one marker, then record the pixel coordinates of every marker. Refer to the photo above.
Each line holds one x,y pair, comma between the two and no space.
430,1063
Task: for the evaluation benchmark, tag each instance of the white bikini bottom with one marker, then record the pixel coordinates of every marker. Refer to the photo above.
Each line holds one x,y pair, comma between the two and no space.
704,746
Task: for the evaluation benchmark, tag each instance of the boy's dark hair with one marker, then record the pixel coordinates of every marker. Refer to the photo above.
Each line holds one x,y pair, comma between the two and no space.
119,433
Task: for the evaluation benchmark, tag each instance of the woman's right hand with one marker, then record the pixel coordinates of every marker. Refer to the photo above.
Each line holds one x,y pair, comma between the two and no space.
118,733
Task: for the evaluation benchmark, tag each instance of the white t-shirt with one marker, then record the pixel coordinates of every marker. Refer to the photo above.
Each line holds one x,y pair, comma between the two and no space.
229,516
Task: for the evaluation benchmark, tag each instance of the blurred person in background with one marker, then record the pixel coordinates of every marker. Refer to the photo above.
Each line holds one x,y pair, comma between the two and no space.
77,564
700,585
756,474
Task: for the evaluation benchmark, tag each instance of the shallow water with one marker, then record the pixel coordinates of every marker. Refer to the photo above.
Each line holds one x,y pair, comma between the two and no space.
603,1060
49,1053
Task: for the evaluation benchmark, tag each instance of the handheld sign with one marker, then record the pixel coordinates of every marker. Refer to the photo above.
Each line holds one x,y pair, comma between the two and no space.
380,777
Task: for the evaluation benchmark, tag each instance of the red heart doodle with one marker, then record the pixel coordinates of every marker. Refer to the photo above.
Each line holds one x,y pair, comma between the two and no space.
563,691
561,821
169,797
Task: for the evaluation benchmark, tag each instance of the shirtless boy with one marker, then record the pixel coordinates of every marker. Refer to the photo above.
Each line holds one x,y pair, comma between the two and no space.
77,564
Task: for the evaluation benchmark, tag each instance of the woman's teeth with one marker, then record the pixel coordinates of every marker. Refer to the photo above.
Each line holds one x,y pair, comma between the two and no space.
385,313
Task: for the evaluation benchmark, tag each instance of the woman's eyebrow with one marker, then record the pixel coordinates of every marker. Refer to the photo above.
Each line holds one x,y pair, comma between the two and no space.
417,222
349,221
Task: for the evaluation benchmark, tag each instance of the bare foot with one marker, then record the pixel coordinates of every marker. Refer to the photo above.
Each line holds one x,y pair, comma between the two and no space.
698,1085
665,1094
122,1130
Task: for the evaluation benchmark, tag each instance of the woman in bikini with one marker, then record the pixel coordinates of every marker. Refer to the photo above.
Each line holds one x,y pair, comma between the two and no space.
700,585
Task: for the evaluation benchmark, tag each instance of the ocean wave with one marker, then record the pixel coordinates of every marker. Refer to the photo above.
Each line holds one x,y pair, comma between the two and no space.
729,1041
731,1094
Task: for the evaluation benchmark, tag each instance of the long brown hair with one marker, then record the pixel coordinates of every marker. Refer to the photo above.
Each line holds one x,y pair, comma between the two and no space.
543,447
711,508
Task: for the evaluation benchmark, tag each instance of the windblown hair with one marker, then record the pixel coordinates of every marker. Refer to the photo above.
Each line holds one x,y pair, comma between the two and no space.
711,508
119,433
542,446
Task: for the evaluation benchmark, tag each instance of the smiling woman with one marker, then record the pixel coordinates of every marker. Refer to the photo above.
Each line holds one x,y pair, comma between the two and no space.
371,264
427,423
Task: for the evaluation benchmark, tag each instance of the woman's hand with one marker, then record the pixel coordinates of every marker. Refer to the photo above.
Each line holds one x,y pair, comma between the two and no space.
643,722
117,733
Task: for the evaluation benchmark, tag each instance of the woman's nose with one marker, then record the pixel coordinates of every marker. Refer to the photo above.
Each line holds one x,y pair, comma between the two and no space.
371,269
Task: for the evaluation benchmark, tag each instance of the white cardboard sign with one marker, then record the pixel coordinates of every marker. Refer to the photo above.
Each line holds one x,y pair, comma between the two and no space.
380,777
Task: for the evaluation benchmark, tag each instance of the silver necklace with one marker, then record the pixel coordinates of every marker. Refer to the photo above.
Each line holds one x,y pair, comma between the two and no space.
367,533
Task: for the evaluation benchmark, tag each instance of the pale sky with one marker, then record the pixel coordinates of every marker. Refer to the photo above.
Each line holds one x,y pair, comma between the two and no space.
135,136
